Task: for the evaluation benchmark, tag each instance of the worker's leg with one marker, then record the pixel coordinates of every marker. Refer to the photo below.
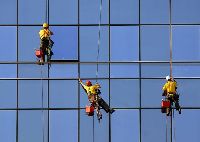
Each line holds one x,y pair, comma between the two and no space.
168,109
164,93
97,108
176,101
49,51
43,46
51,43
105,106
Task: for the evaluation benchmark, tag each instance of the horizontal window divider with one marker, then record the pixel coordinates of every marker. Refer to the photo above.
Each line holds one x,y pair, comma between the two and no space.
137,78
93,62
82,108
152,24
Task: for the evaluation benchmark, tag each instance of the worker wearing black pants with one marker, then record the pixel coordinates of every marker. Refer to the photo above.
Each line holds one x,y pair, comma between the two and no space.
93,93
45,42
105,106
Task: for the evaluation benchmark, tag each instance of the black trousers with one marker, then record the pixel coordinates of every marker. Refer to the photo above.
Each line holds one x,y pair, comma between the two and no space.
45,44
104,105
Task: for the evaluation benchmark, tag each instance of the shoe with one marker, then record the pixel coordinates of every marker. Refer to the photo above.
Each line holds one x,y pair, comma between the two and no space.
40,63
112,110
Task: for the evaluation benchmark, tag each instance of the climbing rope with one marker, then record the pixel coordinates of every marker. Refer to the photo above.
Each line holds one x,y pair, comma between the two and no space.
98,50
42,98
166,128
170,45
174,128
170,15
42,90
93,129
46,11
99,38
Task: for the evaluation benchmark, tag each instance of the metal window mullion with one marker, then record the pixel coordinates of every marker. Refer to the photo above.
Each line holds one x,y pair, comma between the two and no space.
109,66
140,75
79,72
48,105
17,111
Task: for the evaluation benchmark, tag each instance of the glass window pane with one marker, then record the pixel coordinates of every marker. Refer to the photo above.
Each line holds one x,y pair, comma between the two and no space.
124,11
154,126
186,126
89,44
124,70
124,43
101,130
8,96
8,126
154,11
104,92
9,7
64,126
185,11
125,124
31,125
151,90
30,93
32,71
188,88
186,45
155,70
65,43
29,40
63,11
67,96
8,71
63,71
89,70
90,11
124,93
32,11
8,41
155,43
186,70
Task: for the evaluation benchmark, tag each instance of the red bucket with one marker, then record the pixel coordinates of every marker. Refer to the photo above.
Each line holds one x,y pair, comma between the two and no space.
38,53
165,104
89,110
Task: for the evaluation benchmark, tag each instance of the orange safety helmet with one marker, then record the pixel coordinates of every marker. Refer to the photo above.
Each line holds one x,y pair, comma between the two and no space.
88,83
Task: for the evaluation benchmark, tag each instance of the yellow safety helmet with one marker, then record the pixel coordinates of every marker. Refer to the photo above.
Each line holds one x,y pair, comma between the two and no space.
45,25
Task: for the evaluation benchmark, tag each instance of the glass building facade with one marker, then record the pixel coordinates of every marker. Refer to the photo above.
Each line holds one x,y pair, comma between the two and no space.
47,104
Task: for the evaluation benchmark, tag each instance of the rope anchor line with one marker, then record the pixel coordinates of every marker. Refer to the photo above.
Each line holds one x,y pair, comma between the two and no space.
170,36
42,89
170,14
99,38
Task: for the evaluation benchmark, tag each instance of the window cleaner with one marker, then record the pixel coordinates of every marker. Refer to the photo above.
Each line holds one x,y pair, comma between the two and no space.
171,97
45,44
96,102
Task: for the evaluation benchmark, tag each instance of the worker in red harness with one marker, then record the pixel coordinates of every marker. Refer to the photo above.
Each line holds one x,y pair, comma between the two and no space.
45,42
93,93
169,91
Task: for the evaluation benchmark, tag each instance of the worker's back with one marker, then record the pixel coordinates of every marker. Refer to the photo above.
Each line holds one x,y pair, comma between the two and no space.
44,33
170,87
94,89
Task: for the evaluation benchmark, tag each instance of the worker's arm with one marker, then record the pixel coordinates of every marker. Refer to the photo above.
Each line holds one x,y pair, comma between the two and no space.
97,86
51,32
83,85
175,84
41,33
165,87
80,81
